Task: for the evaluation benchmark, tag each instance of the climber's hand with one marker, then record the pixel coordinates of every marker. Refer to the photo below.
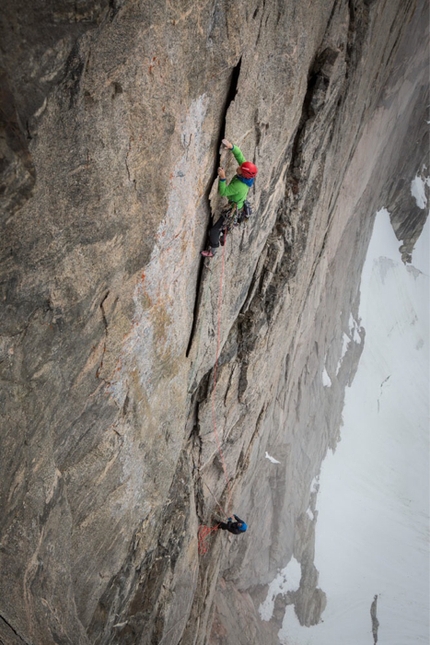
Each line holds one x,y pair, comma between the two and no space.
227,144
221,173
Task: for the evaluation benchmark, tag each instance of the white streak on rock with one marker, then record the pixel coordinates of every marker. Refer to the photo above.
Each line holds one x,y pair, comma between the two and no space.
272,459
326,378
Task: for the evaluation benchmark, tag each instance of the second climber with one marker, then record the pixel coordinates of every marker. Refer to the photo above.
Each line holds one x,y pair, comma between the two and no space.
237,527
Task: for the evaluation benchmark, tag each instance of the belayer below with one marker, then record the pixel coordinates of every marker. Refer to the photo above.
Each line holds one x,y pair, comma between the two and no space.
236,192
234,527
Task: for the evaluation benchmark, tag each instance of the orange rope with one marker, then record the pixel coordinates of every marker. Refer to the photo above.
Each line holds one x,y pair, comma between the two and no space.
215,500
205,532
204,537
215,374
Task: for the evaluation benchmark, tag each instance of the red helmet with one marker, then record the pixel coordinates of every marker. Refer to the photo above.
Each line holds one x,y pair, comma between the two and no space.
249,170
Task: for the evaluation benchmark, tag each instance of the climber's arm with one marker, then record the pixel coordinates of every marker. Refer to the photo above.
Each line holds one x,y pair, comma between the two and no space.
239,156
227,190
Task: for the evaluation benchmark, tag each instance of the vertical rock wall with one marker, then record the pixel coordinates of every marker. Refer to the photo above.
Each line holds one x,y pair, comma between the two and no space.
110,325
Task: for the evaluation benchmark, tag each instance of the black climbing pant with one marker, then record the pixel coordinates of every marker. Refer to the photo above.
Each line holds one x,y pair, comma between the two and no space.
232,527
215,232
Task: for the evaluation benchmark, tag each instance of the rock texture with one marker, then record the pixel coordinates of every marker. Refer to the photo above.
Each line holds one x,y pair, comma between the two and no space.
111,117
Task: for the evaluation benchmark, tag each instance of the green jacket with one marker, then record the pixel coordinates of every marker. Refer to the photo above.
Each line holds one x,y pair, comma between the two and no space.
236,191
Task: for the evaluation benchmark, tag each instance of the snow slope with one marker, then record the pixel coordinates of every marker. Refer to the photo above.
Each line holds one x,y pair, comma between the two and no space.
373,501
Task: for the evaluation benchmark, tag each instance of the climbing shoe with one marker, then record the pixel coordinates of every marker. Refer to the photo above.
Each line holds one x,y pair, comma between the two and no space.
208,254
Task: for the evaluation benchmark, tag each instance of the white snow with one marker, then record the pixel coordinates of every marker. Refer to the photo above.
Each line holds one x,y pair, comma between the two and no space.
418,190
353,330
373,500
287,580
326,378
315,484
272,459
345,342
421,255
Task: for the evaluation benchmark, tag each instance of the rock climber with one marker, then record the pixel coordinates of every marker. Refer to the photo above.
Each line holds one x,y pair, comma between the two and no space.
236,192
234,527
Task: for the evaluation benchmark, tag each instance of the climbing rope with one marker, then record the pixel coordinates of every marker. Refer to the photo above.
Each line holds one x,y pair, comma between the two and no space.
204,535
205,532
215,377
223,513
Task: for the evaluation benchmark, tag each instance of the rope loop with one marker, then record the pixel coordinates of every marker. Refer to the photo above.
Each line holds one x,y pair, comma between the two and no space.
204,536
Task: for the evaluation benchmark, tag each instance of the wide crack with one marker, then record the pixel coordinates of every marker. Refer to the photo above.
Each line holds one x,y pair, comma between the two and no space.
231,94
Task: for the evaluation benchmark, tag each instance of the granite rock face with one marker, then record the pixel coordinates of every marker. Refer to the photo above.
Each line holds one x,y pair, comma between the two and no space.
126,362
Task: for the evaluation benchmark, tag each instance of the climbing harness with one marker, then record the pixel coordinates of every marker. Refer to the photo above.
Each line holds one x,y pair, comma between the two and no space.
233,216
230,218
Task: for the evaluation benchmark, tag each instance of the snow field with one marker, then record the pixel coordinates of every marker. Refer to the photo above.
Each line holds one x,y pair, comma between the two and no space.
372,534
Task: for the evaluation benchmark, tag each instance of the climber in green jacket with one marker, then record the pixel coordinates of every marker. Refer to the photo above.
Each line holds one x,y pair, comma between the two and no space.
236,192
